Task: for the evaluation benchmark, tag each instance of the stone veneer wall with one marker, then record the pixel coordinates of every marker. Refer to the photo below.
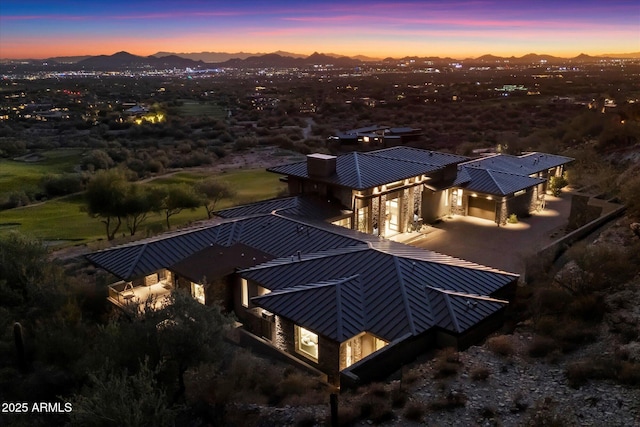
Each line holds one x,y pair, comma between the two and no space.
417,199
459,210
328,350
375,212
502,211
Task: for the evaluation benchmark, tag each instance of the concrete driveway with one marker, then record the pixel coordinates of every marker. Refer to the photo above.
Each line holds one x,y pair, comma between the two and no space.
505,247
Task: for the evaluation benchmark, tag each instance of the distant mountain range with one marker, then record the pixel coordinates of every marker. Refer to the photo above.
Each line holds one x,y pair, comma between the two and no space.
202,60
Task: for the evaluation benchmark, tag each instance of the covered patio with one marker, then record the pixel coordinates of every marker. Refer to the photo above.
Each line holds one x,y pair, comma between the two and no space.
125,295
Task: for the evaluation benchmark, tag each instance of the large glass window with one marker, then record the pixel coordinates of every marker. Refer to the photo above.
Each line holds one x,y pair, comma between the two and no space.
245,293
197,292
359,347
363,219
306,343
393,216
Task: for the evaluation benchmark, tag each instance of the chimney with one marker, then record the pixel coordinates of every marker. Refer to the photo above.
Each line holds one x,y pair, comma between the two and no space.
321,165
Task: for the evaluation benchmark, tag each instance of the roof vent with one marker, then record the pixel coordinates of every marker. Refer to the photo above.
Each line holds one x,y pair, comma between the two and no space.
321,165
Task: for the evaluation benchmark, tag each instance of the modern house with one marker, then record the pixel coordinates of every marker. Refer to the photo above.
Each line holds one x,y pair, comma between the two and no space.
311,275
378,135
332,298
390,191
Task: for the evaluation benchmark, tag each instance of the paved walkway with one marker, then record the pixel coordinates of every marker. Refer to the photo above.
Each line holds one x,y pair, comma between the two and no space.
505,247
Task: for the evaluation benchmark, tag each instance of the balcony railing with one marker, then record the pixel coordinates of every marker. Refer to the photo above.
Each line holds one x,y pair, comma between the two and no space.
124,294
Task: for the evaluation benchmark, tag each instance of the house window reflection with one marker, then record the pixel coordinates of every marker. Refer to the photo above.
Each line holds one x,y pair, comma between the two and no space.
306,343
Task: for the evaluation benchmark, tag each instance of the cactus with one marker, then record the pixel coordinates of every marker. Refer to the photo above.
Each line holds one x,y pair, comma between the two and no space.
18,338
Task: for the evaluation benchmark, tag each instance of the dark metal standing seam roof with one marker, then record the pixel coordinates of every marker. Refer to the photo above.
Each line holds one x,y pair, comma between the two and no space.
434,158
398,291
334,308
272,234
307,207
458,312
217,261
360,171
498,183
526,164
258,208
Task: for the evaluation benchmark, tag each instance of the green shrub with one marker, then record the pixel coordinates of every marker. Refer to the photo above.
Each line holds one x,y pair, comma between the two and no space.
556,183
513,219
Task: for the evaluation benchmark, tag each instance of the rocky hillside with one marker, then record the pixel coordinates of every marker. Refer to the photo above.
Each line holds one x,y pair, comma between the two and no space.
573,359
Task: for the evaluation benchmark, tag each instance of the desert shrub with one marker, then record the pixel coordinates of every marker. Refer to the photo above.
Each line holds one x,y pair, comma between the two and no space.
541,346
411,377
578,373
551,300
479,373
589,308
501,345
347,416
520,404
15,199
414,412
305,420
604,266
219,151
63,184
376,389
629,373
572,333
547,414
454,399
488,412
398,398
447,363
376,409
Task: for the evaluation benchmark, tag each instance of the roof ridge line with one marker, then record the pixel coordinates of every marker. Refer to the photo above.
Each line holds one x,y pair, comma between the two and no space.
466,295
309,286
490,172
133,264
478,159
405,297
357,165
452,314
338,286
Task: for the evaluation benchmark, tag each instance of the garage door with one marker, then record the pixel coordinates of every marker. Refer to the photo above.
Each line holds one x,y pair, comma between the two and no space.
482,208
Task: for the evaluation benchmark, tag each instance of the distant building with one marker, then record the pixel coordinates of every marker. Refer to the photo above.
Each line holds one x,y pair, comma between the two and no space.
378,135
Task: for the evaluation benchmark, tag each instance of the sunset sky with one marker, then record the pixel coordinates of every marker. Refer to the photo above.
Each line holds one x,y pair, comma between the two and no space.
43,29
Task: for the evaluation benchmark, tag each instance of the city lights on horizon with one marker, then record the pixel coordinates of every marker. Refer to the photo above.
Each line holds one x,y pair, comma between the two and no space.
458,29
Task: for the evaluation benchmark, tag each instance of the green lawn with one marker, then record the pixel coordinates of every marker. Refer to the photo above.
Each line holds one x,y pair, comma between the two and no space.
20,175
250,184
191,108
62,222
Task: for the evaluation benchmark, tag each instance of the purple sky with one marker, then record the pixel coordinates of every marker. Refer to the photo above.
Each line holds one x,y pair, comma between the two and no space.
41,29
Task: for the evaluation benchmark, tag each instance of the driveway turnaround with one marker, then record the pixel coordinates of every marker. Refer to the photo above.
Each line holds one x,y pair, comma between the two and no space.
505,247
